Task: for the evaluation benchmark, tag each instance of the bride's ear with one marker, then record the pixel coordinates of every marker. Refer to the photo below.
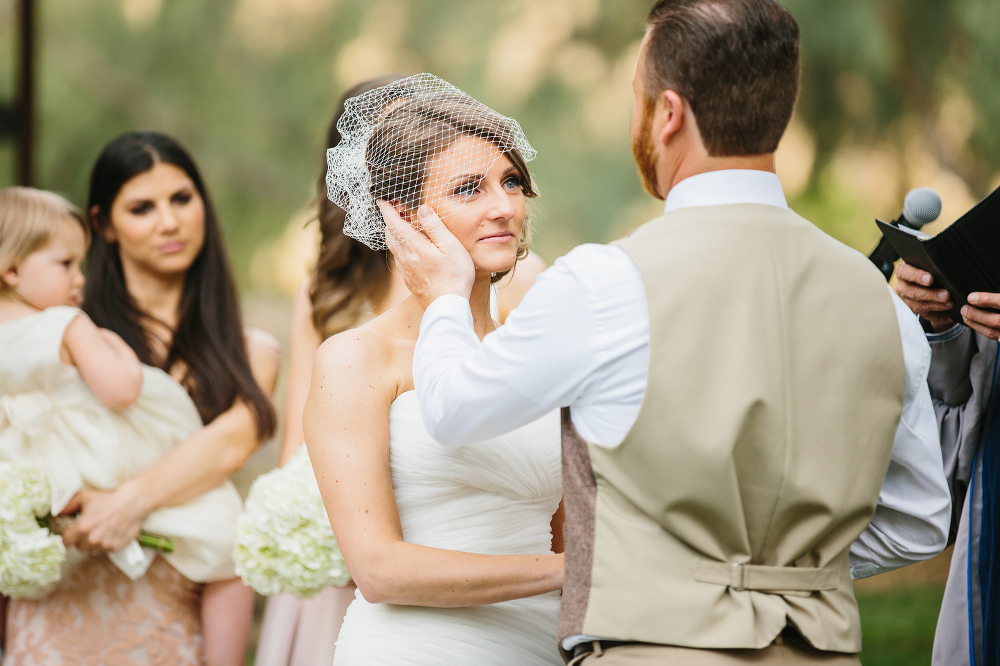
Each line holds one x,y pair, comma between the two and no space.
408,214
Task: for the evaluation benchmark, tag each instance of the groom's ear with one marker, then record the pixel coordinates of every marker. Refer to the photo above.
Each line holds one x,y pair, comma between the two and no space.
671,116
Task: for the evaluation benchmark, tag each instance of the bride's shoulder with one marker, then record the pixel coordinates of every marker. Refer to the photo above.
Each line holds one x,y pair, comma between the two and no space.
361,350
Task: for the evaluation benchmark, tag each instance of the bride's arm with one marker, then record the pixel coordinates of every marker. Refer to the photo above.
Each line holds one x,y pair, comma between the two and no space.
346,424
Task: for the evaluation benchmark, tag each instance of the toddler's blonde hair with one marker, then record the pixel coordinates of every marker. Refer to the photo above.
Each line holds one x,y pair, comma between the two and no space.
28,220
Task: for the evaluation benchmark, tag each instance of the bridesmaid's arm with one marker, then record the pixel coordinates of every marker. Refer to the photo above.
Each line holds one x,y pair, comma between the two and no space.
346,424
109,520
302,349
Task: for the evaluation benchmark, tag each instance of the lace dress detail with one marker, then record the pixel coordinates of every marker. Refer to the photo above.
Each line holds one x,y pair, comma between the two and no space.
98,617
495,497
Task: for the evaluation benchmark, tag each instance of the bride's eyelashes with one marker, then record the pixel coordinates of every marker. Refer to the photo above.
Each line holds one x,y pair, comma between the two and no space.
469,186
511,182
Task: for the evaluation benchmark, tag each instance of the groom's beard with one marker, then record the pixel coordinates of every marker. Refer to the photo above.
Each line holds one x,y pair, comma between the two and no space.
644,153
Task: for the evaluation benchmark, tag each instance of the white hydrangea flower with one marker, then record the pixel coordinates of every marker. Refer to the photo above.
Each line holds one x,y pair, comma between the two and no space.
24,491
284,542
30,562
31,557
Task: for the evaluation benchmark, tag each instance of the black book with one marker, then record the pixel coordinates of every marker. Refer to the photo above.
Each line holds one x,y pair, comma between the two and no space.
964,258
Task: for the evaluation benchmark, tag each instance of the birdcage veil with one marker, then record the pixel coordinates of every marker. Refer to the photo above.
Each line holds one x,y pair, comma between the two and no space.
391,133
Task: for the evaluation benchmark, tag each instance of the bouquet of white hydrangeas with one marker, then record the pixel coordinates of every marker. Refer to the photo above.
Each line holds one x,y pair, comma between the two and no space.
284,542
31,556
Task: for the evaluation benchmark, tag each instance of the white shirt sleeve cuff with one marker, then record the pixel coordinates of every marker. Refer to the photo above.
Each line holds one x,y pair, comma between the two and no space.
449,306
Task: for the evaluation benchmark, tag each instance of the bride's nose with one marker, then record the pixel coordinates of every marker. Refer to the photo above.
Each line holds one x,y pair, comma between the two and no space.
501,206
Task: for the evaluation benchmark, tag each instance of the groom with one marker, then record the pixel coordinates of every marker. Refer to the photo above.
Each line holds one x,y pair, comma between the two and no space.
734,381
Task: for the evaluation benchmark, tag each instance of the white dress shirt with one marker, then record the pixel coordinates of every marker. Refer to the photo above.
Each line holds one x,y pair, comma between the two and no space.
580,339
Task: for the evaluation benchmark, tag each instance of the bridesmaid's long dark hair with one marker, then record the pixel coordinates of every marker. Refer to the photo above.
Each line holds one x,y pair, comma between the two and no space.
209,334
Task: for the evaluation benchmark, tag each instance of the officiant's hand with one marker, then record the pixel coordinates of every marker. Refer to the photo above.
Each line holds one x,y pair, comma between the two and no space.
916,288
432,261
983,321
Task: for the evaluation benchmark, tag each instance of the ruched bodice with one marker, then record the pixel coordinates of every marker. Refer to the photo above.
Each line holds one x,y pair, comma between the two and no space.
494,497
443,494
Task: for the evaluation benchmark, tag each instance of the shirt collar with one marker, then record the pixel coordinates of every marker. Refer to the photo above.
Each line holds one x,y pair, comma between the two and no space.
720,188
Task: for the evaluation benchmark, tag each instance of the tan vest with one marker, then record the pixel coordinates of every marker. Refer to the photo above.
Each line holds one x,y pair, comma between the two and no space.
775,388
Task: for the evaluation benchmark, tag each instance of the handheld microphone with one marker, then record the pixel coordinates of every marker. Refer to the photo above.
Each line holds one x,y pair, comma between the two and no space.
921,206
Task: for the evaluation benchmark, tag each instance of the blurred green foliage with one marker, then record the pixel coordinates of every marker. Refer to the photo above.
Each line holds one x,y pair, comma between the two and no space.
898,626
248,86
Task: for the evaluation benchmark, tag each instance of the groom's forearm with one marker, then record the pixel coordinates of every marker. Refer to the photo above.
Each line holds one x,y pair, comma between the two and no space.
537,361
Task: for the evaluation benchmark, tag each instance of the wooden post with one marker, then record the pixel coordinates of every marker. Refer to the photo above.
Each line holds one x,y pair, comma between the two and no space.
25,105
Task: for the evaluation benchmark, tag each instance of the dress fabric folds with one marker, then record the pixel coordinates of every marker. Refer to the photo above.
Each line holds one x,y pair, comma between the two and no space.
494,497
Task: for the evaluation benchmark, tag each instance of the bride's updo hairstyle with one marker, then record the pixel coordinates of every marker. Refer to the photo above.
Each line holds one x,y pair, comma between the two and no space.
392,133
349,276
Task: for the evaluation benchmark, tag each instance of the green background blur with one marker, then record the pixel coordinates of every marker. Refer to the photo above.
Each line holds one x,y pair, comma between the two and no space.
895,94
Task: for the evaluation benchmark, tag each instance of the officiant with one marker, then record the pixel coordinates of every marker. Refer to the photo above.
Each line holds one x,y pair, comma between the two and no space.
742,395
962,382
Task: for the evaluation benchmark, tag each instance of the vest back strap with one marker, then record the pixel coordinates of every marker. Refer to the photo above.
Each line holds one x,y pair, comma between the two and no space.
742,576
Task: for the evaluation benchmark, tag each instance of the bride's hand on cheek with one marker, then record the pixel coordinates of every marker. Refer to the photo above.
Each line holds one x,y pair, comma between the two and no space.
108,521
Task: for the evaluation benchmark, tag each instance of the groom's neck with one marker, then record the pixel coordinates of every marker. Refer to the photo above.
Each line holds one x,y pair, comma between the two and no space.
694,164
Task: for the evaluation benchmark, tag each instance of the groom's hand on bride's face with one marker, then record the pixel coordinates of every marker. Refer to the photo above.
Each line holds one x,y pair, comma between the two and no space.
432,261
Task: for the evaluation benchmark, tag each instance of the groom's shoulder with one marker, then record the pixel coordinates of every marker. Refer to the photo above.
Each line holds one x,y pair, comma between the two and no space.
595,266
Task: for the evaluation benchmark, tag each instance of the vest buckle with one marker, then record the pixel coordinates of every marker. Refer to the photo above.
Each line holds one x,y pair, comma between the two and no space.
738,577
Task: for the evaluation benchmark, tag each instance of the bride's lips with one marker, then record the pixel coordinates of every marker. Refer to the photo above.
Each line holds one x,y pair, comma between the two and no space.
498,237
172,248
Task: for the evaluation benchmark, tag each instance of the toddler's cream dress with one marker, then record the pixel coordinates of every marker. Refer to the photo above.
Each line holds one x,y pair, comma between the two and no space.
98,614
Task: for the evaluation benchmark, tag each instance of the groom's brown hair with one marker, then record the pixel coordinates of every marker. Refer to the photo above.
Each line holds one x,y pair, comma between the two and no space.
736,62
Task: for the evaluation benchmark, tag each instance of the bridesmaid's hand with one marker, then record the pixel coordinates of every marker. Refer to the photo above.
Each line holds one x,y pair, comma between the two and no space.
108,521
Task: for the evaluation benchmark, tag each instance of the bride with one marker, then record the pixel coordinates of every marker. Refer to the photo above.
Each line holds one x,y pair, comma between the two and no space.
451,548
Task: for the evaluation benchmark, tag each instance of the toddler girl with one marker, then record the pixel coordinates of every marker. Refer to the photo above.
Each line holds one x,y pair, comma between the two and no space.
76,402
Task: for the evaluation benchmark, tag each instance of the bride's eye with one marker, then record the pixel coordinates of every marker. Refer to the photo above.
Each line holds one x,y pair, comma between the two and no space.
512,182
466,189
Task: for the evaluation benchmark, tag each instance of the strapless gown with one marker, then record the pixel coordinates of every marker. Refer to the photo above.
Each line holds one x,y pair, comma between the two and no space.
495,497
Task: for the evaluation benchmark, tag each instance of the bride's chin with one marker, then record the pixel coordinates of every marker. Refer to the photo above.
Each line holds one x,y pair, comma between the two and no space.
487,271
490,265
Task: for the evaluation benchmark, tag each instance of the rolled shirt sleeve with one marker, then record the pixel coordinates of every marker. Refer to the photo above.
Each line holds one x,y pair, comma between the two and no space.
580,338
913,515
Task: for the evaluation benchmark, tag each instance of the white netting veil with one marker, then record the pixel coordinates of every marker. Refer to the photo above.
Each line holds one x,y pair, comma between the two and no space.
411,140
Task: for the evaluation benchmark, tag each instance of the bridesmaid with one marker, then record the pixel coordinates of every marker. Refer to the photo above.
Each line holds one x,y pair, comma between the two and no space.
159,276
350,285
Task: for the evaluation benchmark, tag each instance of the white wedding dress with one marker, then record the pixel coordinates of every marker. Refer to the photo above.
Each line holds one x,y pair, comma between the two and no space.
495,497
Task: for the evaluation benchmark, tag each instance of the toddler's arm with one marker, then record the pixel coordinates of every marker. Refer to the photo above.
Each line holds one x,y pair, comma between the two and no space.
108,366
